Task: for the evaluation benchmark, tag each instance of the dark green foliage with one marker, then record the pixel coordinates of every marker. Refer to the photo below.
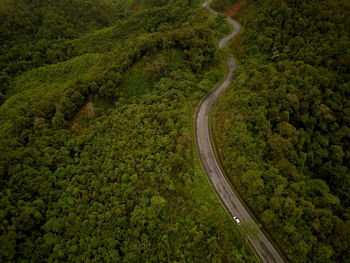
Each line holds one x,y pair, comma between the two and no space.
285,137
220,26
34,33
30,39
222,5
56,31
121,186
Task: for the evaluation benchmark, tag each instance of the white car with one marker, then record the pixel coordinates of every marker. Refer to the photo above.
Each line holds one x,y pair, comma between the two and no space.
237,220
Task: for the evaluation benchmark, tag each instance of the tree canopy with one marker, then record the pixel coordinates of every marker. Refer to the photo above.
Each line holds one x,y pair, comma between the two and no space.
96,145
283,127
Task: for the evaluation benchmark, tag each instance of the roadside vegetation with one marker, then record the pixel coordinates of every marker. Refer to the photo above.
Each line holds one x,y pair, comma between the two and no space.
222,5
282,129
96,144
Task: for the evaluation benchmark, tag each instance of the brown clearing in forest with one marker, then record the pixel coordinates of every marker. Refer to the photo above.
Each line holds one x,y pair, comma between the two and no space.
86,110
135,6
229,12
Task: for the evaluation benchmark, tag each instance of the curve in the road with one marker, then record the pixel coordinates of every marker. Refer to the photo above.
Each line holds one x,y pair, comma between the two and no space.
232,203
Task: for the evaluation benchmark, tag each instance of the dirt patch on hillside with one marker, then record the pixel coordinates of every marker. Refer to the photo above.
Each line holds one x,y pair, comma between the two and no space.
136,5
86,110
229,12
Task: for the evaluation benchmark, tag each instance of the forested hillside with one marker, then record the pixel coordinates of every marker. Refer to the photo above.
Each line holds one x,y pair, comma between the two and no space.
97,158
283,128
221,5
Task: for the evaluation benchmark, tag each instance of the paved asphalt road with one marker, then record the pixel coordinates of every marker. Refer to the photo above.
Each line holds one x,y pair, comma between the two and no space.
263,248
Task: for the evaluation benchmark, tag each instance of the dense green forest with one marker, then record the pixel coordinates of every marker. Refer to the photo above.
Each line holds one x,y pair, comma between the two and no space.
282,129
97,156
221,5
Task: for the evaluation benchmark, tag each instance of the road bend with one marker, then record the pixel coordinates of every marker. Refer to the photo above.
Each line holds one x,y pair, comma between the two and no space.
211,167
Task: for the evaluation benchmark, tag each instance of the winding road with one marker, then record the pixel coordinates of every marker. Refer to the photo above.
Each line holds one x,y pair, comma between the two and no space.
229,199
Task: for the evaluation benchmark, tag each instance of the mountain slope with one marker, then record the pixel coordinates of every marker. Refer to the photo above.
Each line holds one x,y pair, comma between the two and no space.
120,185
283,127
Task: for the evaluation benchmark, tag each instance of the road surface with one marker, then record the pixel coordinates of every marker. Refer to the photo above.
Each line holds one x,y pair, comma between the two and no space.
232,203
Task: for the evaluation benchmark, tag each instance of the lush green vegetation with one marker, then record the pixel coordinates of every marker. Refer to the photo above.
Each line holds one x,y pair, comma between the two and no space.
117,181
219,25
221,5
283,127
